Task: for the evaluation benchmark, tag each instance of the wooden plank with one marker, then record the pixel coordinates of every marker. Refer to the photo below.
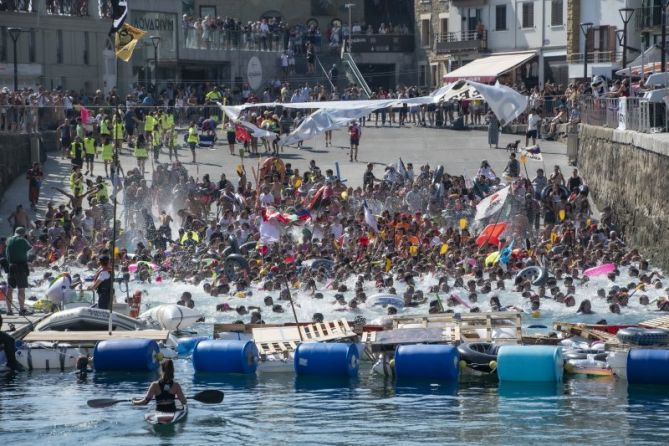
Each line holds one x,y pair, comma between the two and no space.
93,336
658,322
319,330
269,334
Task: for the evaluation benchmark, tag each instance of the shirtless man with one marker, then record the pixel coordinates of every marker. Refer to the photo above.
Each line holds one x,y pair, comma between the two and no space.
19,218
76,200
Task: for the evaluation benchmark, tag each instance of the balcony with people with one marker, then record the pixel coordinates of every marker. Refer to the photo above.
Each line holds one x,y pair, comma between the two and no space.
453,42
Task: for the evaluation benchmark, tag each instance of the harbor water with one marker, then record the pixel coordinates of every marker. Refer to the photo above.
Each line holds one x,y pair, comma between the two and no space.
50,408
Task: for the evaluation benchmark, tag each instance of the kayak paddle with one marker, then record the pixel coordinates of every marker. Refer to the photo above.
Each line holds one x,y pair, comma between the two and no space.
206,396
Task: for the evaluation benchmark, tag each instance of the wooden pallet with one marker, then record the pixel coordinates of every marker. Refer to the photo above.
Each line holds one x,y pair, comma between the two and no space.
285,338
18,326
658,322
588,332
471,324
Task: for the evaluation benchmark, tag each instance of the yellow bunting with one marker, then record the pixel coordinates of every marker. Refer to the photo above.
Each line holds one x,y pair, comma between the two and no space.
562,214
444,249
344,195
413,250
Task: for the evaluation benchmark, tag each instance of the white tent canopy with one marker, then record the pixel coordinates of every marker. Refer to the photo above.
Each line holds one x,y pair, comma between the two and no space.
488,69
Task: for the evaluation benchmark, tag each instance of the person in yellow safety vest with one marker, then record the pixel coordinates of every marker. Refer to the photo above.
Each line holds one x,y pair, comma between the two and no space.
77,181
105,126
102,194
107,153
167,126
140,153
119,130
213,95
89,148
77,152
149,125
193,140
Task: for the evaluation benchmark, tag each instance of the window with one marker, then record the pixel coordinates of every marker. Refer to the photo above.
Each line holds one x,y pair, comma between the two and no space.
59,46
425,32
87,49
556,13
32,46
528,15
443,23
434,75
500,18
422,75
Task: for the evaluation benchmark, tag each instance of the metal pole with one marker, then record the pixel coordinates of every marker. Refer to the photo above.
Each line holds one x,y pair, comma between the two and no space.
585,60
155,67
663,60
350,30
624,44
16,68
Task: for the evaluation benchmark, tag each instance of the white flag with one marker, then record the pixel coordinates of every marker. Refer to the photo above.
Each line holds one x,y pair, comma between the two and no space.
506,103
370,219
491,204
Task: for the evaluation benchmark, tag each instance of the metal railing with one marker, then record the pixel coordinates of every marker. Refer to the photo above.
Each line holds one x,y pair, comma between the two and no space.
593,57
462,36
221,39
16,6
625,113
74,8
648,17
356,74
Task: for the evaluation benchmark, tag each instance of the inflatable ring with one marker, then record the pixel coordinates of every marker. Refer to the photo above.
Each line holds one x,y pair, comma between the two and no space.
232,263
547,190
643,336
537,275
478,355
228,251
316,264
248,247
583,354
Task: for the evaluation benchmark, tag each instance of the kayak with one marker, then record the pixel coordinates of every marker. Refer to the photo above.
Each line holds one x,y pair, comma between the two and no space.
157,418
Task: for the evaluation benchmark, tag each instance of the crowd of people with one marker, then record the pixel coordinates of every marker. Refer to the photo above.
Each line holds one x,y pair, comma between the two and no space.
398,226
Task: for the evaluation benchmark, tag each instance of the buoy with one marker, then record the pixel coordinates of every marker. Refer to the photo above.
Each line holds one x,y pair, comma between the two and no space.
529,363
128,355
327,359
225,357
648,366
423,361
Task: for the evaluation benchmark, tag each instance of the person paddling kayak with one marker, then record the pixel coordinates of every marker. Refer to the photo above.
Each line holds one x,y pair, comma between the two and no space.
165,390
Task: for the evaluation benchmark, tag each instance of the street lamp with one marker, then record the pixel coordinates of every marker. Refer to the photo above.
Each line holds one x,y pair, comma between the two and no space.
585,29
626,15
14,34
349,6
156,42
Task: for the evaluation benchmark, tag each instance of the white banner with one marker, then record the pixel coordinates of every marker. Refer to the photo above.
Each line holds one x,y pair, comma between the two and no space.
491,204
505,102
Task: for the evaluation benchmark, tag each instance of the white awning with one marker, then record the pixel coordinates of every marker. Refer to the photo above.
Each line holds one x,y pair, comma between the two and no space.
487,69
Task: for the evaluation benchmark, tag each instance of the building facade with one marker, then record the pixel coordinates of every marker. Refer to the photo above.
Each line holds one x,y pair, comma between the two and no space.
65,43
602,45
456,32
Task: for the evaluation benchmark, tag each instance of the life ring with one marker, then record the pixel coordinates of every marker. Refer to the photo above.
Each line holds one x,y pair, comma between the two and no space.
643,336
316,264
438,174
547,190
232,263
479,355
245,248
537,275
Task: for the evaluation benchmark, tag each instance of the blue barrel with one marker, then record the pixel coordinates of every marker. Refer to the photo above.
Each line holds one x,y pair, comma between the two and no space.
529,363
225,357
186,345
326,359
423,361
645,366
128,355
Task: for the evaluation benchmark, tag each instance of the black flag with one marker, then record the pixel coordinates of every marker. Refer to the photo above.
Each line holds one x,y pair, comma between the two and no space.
119,13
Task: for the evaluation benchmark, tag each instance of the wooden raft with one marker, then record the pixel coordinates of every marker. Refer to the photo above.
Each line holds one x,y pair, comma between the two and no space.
75,337
285,339
470,325
590,332
659,322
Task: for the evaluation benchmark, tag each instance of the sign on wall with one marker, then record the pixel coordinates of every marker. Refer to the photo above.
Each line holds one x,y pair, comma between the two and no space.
254,73
160,24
